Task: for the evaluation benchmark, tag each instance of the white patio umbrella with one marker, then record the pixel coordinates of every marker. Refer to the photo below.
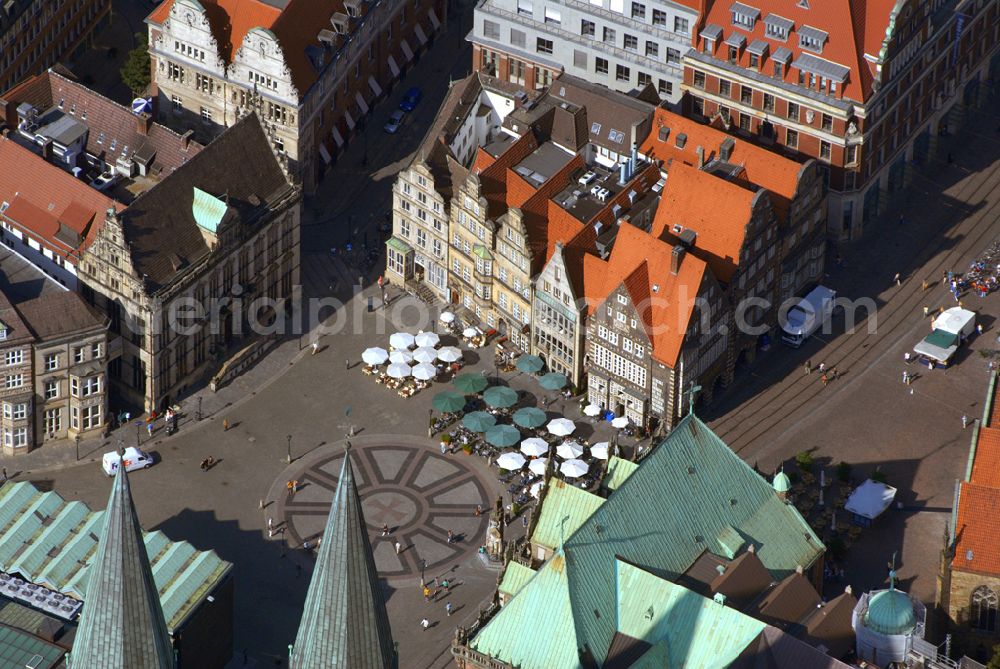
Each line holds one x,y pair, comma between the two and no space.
538,465
620,422
401,340
574,468
469,333
427,339
592,410
536,488
569,450
447,317
511,461
561,427
375,356
600,450
424,371
400,357
398,370
534,446
449,354
425,354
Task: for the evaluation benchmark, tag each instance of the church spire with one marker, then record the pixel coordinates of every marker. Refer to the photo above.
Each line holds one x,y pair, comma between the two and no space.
344,623
122,624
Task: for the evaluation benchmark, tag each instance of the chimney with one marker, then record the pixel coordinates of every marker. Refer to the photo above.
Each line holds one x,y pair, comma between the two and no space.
675,259
186,139
623,174
799,570
5,109
701,156
726,150
47,149
143,122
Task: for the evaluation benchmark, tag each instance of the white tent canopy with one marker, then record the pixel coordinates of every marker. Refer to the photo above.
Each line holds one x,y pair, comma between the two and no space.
592,410
401,357
512,460
574,468
870,499
449,354
401,340
425,354
561,427
537,466
534,446
375,356
569,450
600,450
447,317
620,422
424,372
427,339
398,371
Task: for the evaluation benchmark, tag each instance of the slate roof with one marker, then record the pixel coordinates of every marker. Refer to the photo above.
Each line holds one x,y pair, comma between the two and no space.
239,166
122,625
110,124
775,649
689,493
344,624
58,314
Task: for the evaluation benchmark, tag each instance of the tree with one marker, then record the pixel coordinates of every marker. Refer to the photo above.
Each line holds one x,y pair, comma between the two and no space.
135,71
995,660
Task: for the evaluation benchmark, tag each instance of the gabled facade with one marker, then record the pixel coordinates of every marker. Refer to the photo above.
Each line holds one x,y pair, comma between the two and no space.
311,70
221,232
865,88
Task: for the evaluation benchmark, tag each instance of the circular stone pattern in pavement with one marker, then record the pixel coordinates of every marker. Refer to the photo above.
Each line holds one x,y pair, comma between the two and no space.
419,493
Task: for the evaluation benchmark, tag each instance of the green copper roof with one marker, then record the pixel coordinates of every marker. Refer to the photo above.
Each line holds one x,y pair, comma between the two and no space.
514,577
781,482
692,630
122,624
482,252
208,210
398,244
619,469
890,612
691,494
344,624
52,542
563,501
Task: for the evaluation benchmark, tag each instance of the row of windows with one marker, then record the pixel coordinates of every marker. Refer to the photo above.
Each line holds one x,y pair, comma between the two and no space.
619,366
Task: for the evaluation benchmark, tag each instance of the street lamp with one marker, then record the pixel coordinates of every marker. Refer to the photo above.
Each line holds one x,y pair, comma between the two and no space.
199,407
430,423
423,565
137,436
77,440
288,454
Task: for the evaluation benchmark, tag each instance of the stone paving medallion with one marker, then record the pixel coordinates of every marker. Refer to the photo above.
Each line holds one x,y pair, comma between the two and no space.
419,493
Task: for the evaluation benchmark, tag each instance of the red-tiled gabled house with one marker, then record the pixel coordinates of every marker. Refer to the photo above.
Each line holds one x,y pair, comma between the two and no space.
865,87
969,580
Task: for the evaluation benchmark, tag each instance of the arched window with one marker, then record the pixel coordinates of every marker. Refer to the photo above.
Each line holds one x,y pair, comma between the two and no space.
984,609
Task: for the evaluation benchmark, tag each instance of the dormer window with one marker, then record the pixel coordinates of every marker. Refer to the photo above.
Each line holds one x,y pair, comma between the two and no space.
812,39
744,15
711,36
777,27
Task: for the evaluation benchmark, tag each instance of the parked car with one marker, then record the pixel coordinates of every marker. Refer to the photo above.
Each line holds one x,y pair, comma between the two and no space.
394,122
411,99
134,459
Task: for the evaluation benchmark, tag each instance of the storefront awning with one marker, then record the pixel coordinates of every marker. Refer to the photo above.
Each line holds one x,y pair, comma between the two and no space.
407,51
420,34
337,137
376,89
362,105
327,158
434,19
393,66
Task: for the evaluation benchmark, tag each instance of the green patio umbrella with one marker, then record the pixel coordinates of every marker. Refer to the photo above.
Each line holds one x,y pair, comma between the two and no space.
529,417
500,397
553,381
448,401
470,383
479,421
530,364
503,435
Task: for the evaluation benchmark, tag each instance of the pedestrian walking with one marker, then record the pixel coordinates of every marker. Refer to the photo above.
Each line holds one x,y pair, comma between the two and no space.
825,379
897,279
444,448
225,425
427,594
149,428
979,328
809,367
4,475
270,523
906,377
927,311
347,363
822,367
399,547
385,529
449,608
907,357
524,520
930,365
965,421
834,374
451,537
315,347
425,624
446,584
924,285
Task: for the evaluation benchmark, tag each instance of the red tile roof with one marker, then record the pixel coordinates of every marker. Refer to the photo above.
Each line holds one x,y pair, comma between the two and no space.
977,530
41,196
665,301
986,466
717,210
854,29
768,169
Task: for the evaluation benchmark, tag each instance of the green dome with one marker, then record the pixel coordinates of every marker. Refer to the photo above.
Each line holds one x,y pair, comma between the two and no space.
890,612
782,482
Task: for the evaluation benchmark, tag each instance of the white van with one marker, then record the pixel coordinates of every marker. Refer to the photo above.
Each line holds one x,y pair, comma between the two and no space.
134,459
811,312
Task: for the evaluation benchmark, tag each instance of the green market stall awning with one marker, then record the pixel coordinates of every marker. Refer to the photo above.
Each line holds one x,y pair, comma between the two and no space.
470,383
503,435
479,421
530,417
448,401
553,381
500,397
530,364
